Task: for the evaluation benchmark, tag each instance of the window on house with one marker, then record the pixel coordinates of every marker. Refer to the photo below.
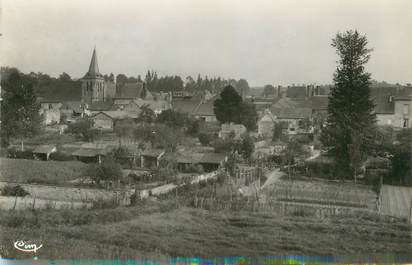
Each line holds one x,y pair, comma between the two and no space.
50,106
406,109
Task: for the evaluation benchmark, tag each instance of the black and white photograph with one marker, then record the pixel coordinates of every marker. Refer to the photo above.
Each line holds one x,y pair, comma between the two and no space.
206,132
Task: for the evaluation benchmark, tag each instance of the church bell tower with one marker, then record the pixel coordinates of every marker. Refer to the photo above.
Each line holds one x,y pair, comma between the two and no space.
93,83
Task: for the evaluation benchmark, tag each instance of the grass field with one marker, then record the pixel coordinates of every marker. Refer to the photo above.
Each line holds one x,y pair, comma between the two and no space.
42,172
158,229
323,192
396,201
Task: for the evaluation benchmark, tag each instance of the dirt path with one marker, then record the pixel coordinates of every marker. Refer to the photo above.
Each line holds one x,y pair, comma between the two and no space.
272,177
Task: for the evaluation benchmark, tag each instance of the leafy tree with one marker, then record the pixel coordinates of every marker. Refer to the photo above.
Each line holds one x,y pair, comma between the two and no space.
108,170
247,147
269,90
402,157
14,190
124,128
401,168
65,77
227,107
167,137
204,138
277,132
193,126
121,79
350,110
227,145
20,112
159,135
84,128
172,118
144,132
249,116
293,152
230,108
146,114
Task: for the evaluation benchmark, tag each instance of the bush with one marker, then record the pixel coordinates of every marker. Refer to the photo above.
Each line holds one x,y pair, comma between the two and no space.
20,154
108,170
204,138
14,190
321,168
19,219
104,204
60,156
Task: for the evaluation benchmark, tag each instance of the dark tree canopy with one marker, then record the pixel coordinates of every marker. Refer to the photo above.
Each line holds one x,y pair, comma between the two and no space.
108,170
83,128
19,111
227,107
269,90
249,116
350,110
146,114
230,108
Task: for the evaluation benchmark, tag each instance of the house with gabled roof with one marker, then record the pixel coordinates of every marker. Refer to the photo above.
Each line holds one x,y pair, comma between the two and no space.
289,111
103,121
204,111
266,124
393,106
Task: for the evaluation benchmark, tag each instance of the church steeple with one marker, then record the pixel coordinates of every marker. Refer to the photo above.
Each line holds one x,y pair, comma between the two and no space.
93,84
94,66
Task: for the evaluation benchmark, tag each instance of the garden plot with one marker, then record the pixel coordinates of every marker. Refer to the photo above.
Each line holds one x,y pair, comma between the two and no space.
323,193
67,194
396,201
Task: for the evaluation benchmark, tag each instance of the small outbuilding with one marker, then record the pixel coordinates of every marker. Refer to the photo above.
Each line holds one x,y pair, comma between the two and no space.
103,121
212,161
90,154
151,158
42,152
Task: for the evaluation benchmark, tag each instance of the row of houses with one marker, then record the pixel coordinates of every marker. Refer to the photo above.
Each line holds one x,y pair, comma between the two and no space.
392,108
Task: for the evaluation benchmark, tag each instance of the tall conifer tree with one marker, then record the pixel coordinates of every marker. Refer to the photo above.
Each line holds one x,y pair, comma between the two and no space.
351,120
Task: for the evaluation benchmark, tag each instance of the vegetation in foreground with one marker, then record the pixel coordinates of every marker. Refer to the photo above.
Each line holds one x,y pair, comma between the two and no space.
160,229
41,172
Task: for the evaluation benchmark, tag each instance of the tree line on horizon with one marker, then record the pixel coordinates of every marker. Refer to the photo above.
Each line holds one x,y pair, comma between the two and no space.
64,87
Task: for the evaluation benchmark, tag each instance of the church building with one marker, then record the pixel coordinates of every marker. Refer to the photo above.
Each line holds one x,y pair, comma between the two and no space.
94,86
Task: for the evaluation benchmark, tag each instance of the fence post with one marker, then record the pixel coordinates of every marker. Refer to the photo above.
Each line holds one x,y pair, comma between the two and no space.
410,212
15,203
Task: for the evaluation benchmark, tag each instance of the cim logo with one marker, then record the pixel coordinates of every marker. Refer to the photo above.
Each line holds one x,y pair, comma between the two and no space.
27,246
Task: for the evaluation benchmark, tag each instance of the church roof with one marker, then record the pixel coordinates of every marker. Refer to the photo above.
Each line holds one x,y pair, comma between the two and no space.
130,91
94,67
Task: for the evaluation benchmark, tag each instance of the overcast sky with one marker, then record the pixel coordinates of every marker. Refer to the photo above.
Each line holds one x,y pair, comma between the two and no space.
263,41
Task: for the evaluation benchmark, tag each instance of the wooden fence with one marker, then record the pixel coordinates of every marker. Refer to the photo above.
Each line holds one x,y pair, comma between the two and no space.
278,207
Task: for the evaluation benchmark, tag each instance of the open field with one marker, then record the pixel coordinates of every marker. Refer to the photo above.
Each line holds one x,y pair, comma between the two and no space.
33,171
21,203
45,196
396,201
158,229
322,192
